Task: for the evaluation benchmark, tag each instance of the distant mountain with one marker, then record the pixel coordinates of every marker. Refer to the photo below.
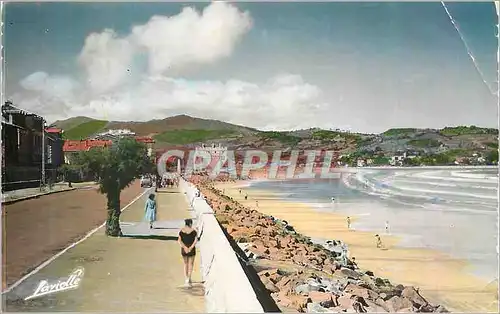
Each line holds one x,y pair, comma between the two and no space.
180,122
183,129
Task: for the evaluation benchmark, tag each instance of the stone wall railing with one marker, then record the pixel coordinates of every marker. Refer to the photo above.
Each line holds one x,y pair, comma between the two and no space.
227,288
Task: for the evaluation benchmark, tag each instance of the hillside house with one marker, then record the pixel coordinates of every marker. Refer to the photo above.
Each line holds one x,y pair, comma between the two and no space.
398,160
462,161
114,134
360,162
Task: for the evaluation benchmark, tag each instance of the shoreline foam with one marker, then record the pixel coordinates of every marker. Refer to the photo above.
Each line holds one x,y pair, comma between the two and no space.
441,279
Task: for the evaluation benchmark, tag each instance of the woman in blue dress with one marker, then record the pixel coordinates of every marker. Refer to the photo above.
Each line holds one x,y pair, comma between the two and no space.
150,210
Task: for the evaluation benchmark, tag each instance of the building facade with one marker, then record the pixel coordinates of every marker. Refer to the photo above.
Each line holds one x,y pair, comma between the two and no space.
22,135
217,153
114,134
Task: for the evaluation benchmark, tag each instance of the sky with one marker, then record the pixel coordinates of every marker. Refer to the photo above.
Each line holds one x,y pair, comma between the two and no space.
365,66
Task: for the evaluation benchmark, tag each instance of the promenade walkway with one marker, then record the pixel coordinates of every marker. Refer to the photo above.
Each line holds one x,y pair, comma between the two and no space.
140,272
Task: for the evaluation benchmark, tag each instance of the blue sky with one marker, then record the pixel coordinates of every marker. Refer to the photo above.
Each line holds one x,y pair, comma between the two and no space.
362,66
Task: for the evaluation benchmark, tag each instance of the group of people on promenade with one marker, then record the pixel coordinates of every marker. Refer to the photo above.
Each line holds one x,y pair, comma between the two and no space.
167,181
187,237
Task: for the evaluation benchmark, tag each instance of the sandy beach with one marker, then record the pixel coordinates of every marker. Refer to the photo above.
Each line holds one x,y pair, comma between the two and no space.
441,279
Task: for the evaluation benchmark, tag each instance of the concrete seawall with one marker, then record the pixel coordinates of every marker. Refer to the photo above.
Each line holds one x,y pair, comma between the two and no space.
227,288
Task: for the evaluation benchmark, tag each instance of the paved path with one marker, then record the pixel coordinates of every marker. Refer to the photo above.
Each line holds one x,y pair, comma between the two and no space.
140,272
23,194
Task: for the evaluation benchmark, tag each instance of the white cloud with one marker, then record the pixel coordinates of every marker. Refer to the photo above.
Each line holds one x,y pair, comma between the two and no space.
283,102
106,59
169,41
191,37
50,86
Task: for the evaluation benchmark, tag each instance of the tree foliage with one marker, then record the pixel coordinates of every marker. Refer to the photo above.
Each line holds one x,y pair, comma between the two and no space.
116,168
399,131
463,130
492,157
282,137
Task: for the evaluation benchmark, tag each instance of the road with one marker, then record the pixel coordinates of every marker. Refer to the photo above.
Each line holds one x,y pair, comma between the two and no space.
139,272
36,229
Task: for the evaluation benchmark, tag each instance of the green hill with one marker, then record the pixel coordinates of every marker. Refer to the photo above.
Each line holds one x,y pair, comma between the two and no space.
85,130
71,122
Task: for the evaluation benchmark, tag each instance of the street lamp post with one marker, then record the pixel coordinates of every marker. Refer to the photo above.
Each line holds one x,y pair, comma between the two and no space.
42,181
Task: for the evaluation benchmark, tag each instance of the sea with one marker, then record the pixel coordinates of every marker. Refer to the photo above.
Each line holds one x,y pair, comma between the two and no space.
453,210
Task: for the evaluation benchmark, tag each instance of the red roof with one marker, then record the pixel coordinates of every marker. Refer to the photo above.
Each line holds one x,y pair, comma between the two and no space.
53,130
85,145
145,139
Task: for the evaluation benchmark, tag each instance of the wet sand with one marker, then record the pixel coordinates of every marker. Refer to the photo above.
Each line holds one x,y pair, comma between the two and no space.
441,278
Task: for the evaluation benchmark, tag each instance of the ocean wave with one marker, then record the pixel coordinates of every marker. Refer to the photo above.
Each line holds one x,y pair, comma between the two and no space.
376,189
425,175
435,191
453,185
471,175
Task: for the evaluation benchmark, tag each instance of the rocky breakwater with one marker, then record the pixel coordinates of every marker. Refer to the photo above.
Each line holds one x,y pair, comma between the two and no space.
306,277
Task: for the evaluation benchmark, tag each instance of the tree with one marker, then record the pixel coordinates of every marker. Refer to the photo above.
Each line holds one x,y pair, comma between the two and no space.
116,168
381,161
412,161
492,157
443,159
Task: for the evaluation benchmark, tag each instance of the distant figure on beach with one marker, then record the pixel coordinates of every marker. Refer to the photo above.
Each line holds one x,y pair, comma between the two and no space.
387,226
379,241
240,191
354,264
188,237
345,254
150,210
256,203
348,222
333,199
246,197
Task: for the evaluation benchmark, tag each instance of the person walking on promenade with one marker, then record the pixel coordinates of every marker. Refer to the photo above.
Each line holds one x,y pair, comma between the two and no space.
196,194
348,222
158,183
188,237
150,210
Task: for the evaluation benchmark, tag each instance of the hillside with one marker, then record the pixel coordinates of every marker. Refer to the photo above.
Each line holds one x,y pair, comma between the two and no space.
179,129
71,122
183,130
